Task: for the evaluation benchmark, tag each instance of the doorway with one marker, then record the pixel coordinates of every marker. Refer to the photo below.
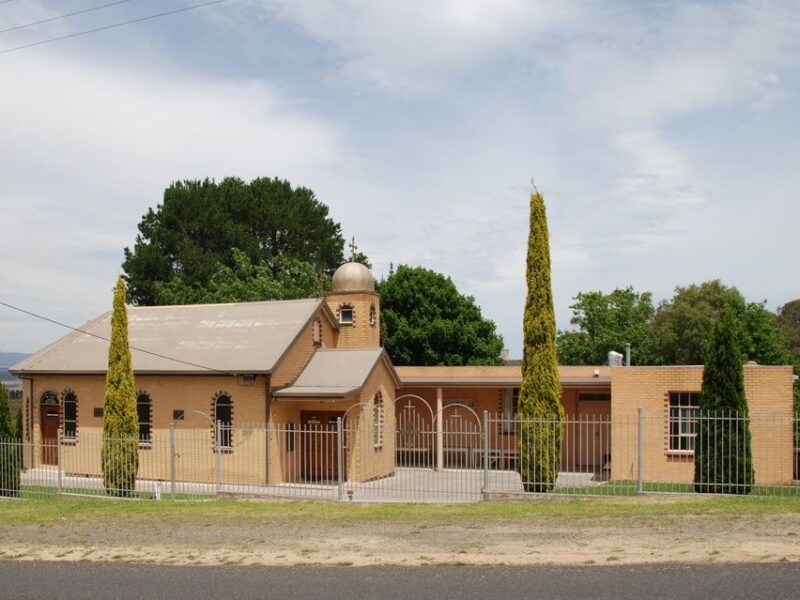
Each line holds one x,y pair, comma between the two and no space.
49,420
319,445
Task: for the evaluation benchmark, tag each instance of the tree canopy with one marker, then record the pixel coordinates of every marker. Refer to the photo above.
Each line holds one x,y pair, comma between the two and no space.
608,322
683,324
282,278
192,234
675,332
427,321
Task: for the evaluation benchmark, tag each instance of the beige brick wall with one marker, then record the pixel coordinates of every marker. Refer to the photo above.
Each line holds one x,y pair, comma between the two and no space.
362,333
302,349
194,434
769,397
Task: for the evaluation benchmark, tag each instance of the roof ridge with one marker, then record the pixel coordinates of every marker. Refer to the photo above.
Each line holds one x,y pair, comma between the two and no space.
196,305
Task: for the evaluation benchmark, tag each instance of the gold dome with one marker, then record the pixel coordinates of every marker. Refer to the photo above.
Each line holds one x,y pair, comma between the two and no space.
353,277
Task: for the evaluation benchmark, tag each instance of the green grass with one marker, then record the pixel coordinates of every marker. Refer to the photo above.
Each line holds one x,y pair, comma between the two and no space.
43,491
44,510
628,488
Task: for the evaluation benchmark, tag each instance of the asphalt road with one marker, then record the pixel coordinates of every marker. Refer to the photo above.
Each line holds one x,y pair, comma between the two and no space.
22,580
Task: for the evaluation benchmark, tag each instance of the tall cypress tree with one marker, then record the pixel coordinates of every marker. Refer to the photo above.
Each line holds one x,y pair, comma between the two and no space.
10,451
723,457
120,454
540,411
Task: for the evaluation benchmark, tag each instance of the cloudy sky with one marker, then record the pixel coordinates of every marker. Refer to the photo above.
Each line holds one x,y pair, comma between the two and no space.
665,138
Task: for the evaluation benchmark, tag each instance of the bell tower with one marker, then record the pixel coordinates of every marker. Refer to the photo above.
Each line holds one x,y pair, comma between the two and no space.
356,305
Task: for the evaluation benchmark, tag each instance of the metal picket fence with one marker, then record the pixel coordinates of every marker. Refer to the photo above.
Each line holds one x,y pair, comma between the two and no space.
456,457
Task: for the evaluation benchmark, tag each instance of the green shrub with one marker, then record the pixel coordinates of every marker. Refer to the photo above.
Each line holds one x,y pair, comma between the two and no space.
540,411
10,449
723,454
120,453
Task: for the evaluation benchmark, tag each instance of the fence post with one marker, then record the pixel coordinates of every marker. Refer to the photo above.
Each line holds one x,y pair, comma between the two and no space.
485,450
340,457
218,435
172,460
640,452
60,466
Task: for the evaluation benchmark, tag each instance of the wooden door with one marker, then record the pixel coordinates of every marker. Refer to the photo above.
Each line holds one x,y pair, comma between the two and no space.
319,445
592,441
48,424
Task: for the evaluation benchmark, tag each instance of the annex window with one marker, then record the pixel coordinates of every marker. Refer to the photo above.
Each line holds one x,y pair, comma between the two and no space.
70,415
377,420
684,411
144,411
510,407
223,417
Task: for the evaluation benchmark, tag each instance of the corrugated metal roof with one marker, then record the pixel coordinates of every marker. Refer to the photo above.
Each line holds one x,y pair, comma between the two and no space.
244,337
335,372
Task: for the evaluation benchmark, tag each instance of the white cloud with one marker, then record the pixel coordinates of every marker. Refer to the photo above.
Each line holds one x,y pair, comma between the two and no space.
413,47
87,149
661,136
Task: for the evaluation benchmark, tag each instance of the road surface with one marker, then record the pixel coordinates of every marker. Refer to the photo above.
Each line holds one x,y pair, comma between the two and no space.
23,580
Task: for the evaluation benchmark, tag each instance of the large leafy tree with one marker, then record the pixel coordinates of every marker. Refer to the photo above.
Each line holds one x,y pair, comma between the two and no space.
194,230
282,278
119,456
427,321
682,325
789,321
540,411
723,457
607,322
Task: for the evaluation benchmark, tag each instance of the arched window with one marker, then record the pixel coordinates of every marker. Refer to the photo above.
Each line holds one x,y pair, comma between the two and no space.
144,411
223,417
373,316
69,414
377,420
316,332
347,315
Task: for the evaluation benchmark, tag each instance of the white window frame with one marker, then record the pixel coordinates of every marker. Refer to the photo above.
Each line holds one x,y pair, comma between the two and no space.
687,417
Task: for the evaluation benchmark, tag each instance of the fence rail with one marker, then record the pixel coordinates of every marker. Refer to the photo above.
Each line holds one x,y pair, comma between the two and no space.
464,458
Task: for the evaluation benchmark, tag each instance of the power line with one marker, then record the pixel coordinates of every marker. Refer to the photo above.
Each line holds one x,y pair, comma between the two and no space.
112,26
64,16
105,339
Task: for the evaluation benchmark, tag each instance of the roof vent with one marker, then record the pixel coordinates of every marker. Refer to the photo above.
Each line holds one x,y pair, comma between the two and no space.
614,359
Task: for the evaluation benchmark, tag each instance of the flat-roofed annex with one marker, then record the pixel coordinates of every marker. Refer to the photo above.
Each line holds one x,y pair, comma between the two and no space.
242,337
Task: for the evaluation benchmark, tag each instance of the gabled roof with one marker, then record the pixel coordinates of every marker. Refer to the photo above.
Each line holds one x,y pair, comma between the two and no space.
336,373
243,337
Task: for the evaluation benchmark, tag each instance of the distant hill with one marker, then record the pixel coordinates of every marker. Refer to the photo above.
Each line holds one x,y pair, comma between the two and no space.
7,359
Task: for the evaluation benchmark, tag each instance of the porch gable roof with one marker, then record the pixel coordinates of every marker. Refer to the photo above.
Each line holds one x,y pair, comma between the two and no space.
337,373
